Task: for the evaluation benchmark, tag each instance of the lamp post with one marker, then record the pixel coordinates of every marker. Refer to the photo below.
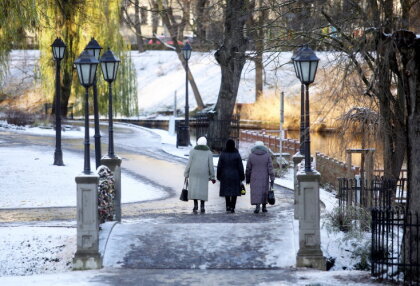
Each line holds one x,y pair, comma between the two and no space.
95,49
307,64
58,49
302,103
186,52
109,66
86,65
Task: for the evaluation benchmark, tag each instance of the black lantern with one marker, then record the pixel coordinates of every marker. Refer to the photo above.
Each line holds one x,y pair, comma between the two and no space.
109,65
296,53
307,64
58,49
86,66
186,51
94,48
183,131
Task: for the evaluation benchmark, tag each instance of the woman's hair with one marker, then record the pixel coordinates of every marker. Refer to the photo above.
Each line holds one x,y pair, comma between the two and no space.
230,146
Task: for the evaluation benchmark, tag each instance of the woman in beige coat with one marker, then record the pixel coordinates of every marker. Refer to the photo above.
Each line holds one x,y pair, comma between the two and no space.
199,172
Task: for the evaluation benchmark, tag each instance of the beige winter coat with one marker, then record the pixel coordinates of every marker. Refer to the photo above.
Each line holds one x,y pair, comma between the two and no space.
199,171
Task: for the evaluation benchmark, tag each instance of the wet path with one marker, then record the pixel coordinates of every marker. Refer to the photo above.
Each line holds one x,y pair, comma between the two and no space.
142,158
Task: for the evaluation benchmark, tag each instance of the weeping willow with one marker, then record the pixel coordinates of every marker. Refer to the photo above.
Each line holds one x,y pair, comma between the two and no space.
76,22
15,18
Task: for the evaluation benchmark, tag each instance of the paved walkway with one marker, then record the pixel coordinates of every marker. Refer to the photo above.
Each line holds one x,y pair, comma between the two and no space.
162,243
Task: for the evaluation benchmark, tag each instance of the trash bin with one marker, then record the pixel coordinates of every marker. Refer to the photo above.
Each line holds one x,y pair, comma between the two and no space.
182,136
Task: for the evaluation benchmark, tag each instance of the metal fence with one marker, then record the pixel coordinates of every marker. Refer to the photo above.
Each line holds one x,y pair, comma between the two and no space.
201,125
379,192
273,142
395,245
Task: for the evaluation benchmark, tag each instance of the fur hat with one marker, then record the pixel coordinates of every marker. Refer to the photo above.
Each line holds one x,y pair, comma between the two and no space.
202,141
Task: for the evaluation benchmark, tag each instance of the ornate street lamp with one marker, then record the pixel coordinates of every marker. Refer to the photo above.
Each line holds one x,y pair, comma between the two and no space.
186,52
58,49
302,103
109,66
86,65
307,64
95,49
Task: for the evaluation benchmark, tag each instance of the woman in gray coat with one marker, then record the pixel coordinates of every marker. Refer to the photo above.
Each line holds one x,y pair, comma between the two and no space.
199,172
259,173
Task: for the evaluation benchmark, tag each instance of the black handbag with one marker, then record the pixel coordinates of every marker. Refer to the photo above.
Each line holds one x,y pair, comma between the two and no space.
184,192
270,198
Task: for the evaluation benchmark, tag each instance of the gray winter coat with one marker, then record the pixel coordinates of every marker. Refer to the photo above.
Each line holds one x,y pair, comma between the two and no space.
259,171
199,171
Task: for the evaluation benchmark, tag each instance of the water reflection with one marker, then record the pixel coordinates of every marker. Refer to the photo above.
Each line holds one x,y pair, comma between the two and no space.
334,144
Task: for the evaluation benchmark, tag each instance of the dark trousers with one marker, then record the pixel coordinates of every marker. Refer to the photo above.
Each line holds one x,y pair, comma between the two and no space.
230,202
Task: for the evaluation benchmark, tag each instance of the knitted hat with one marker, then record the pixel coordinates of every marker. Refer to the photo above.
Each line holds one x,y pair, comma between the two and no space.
202,141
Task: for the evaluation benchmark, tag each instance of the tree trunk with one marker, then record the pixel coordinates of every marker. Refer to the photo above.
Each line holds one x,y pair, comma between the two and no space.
391,111
169,21
155,19
137,26
231,58
200,20
409,48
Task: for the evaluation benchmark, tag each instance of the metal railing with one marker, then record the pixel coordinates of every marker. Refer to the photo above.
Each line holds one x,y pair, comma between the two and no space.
379,193
273,142
395,245
200,124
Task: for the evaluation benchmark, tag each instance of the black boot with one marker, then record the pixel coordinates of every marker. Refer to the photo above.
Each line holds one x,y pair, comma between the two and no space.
202,207
195,209
232,204
257,209
264,208
227,203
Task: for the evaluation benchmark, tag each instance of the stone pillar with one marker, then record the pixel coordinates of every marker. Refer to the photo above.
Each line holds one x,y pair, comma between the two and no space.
114,164
87,255
297,159
310,253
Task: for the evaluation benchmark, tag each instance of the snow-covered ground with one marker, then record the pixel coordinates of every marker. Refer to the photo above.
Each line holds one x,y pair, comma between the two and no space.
162,71
42,184
68,131
29,250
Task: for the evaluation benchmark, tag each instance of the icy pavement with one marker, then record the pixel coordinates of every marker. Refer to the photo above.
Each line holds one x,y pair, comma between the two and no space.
160,241
183,277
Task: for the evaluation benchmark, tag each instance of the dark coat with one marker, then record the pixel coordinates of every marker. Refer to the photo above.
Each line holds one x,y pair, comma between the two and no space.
230,173
259,170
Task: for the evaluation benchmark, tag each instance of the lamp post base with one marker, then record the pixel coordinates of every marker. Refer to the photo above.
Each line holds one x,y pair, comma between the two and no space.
311,258
58,158
114,164
183,136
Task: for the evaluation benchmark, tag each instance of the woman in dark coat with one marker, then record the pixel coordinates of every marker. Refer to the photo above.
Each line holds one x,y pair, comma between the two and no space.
230,173
259,171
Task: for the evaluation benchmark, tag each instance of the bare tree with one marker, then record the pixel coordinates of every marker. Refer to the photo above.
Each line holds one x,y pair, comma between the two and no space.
133,24
166,13
231,58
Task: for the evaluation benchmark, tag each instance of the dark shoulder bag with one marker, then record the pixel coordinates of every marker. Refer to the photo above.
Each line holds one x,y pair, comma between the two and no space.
184,192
